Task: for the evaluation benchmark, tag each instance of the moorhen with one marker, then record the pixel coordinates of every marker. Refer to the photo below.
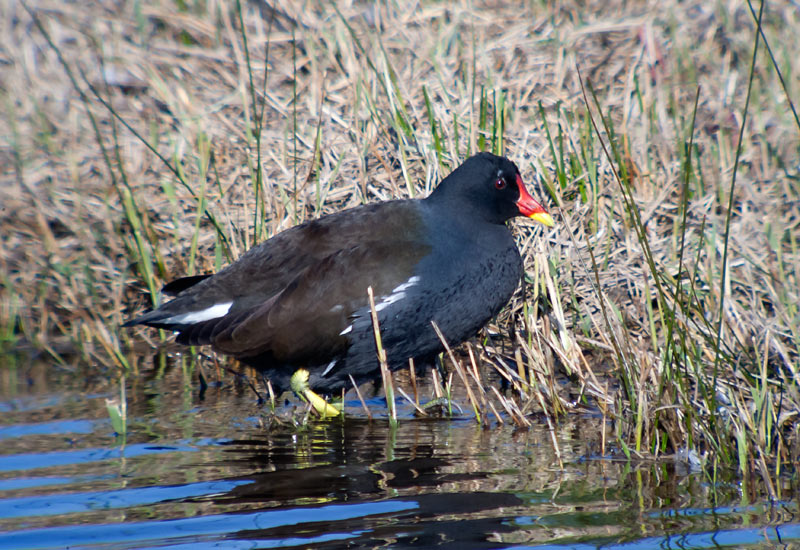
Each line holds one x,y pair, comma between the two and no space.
300,298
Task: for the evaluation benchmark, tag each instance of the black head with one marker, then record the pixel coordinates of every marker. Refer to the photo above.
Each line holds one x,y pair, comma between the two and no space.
490,188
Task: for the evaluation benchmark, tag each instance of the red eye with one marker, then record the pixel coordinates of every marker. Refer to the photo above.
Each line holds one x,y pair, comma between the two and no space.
500,183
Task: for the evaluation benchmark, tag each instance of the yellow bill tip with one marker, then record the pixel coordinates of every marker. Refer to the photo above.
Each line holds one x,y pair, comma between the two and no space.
543,217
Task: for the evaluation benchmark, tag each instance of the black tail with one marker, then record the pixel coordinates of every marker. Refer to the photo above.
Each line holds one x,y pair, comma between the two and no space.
177,286
172,288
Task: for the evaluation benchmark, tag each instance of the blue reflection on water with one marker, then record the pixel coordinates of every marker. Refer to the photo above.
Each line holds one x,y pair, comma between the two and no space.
198,528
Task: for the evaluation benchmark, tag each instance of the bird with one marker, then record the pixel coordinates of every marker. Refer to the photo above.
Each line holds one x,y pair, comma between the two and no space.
300,299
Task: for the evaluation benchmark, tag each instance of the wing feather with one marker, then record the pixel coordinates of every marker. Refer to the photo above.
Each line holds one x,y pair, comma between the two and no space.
308,320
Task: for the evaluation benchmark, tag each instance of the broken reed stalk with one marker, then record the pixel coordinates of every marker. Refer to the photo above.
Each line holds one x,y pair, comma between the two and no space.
420,410
496,414
476,376
437,384
360,397
513,411
412,372
460,370
271,393
386,374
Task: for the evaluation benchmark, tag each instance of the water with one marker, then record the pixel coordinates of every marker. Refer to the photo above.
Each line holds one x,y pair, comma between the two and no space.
216,472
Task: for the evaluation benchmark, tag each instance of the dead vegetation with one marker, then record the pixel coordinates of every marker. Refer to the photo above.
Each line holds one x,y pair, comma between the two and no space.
141,142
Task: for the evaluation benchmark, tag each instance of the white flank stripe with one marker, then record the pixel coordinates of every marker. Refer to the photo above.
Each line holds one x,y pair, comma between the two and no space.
217,310
408,284
345,331
329,367
398,293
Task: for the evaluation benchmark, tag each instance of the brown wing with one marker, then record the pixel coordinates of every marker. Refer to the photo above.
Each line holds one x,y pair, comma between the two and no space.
266,269
305,321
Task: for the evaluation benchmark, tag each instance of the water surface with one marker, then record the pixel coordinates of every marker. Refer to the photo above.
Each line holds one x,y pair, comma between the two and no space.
214,469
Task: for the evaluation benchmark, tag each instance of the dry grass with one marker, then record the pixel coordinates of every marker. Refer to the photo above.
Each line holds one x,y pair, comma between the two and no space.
367,102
